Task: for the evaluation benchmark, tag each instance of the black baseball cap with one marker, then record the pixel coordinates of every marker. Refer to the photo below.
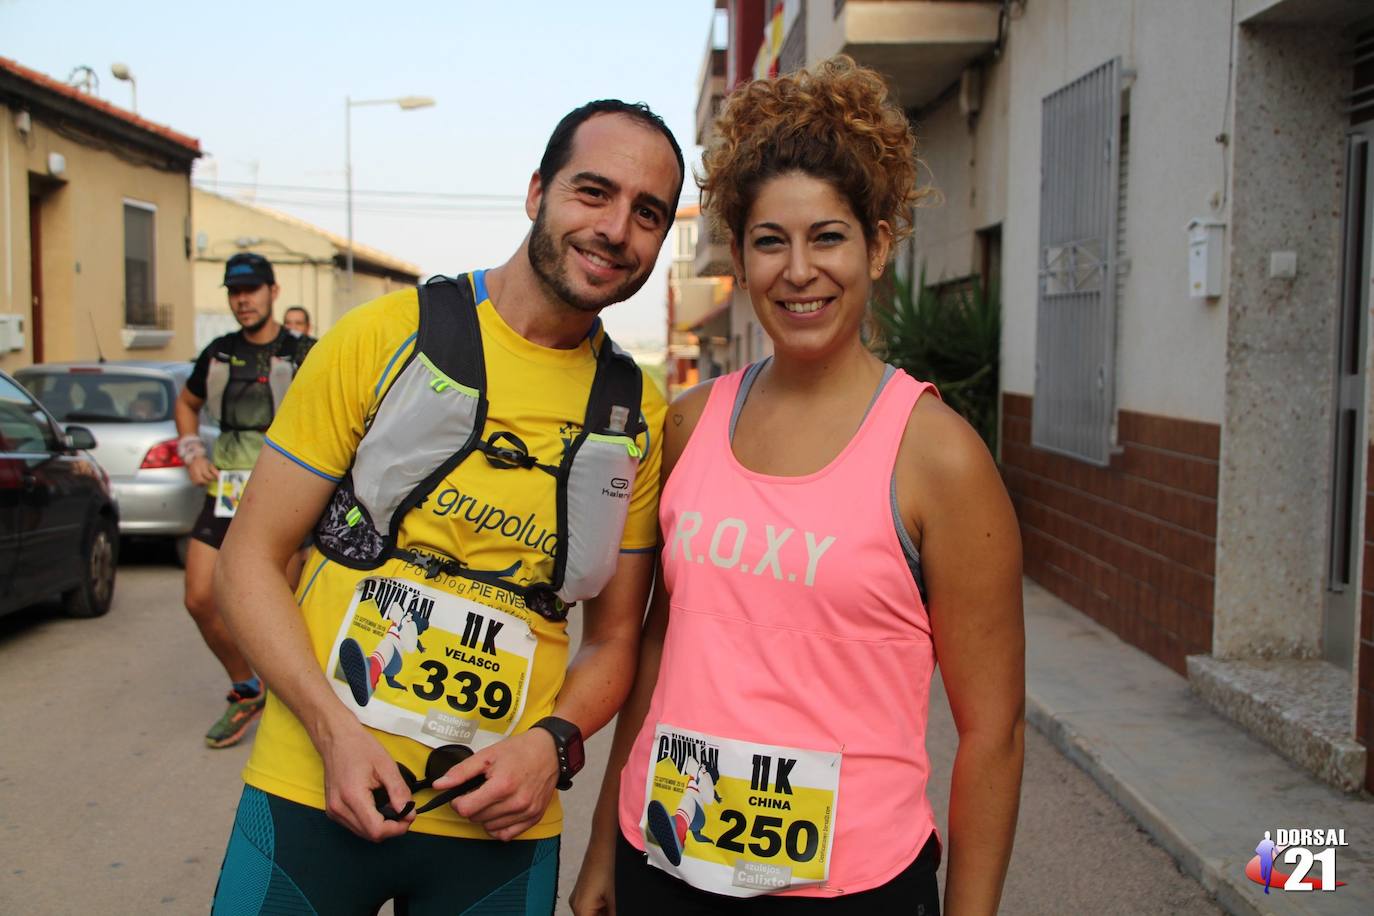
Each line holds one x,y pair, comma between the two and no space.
248,269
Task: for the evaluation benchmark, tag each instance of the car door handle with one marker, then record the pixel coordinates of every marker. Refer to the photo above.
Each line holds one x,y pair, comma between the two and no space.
30,483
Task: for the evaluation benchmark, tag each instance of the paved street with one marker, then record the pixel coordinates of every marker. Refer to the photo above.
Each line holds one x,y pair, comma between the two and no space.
111,803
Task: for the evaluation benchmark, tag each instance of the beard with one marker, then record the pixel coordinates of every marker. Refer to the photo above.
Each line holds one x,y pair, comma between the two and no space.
256,325
552,270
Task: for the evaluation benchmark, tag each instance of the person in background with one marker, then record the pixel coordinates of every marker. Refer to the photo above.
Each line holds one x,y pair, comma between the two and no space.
297,320
240,379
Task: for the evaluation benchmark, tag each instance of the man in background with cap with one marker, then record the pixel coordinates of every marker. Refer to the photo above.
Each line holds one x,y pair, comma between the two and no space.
239,379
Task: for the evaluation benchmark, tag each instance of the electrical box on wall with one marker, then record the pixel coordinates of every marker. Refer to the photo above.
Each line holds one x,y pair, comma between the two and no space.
11,333
1205,239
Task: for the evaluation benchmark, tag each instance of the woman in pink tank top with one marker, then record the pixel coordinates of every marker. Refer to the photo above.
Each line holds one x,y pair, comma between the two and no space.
829,528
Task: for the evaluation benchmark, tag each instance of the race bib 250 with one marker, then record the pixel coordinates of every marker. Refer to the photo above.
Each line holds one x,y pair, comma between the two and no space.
737,817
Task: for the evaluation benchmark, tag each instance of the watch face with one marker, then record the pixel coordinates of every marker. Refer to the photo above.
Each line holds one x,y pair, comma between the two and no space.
577,756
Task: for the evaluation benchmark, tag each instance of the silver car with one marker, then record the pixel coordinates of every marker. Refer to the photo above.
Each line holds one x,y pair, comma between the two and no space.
129,405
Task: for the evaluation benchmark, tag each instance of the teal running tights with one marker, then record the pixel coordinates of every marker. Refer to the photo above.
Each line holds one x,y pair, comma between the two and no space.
285,858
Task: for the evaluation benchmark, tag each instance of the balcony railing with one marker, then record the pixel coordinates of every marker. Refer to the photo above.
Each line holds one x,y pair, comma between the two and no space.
147,325
711,93
713,251
155,316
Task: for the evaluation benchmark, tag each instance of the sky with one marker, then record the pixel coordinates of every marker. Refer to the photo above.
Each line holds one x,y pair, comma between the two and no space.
263,85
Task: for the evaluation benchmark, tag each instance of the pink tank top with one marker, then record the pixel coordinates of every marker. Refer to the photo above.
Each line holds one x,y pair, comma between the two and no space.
784,746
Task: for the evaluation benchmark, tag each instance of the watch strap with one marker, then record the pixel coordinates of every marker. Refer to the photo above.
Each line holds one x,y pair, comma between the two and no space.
567,741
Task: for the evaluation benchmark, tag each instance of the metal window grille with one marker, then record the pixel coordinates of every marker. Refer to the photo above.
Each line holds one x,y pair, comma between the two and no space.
1075,327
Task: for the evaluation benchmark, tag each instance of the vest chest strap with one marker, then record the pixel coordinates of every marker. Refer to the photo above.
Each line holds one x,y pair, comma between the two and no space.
539,598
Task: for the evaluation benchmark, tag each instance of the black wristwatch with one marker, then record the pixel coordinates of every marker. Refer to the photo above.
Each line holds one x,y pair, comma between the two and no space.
567,738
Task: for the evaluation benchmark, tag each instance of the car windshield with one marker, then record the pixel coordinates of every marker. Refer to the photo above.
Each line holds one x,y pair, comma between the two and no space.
102,397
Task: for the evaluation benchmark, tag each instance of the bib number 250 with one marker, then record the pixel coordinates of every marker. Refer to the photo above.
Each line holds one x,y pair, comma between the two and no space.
492,701
802,838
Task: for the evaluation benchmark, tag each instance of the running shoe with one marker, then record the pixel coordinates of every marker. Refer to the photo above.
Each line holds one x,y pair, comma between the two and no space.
231,727
668,830
357,670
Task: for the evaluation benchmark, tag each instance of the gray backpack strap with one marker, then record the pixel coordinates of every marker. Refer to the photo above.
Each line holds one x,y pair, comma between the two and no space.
423,427
596,480
450,338
449,332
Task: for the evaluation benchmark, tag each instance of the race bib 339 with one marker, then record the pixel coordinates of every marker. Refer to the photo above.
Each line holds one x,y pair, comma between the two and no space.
432,666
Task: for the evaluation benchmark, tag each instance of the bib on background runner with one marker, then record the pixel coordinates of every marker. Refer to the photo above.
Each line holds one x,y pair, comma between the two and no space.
739,818
229,492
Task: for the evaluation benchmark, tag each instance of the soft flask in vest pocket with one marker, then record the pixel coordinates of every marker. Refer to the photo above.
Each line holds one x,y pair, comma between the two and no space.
601,477
431,419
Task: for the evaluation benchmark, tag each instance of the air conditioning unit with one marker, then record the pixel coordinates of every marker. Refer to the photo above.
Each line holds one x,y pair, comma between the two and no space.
11,333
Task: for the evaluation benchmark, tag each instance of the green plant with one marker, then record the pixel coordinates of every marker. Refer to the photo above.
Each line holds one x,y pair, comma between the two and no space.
951,336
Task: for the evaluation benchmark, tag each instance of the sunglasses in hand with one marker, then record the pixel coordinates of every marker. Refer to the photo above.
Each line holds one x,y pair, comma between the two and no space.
439,762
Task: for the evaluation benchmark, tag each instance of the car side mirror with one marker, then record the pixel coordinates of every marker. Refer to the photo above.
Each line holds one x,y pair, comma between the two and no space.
79,437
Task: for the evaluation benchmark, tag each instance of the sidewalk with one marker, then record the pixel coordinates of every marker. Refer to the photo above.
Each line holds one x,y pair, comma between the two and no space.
1200,785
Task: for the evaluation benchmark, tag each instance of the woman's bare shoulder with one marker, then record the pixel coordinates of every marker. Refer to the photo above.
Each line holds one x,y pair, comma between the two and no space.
943,458
683,414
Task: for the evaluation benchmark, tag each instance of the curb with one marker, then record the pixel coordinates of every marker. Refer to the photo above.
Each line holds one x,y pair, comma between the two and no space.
1218,878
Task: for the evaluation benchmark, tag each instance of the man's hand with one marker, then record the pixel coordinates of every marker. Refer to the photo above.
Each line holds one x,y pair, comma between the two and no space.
354,764
521,774
202,472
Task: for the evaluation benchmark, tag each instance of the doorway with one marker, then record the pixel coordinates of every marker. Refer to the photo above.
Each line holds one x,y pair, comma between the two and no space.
1351,437
41,194
36,273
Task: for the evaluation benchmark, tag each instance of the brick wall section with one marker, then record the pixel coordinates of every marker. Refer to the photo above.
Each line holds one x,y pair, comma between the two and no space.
1364,715
1132,545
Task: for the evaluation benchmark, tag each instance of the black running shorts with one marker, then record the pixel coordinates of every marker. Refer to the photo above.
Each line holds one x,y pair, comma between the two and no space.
209,529
642,888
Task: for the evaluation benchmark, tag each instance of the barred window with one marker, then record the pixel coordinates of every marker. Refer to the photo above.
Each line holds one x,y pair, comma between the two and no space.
1075,327
140,292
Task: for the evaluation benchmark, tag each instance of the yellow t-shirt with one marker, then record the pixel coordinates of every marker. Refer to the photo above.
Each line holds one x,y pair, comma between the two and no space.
535,392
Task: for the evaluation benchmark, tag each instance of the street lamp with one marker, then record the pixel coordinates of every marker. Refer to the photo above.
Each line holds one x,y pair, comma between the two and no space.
405,103
122,72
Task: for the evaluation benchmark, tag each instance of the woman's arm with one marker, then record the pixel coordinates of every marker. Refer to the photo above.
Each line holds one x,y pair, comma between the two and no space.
971,558
595,890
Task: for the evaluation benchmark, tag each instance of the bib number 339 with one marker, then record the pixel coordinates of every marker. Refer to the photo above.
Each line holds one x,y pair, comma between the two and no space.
739,818
415,661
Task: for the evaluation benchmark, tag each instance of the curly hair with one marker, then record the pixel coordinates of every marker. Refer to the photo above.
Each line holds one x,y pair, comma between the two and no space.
834,122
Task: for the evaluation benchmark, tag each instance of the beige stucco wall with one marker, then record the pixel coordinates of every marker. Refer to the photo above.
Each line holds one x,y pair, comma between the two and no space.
366,287
83,247
1171,348
964,162
302,259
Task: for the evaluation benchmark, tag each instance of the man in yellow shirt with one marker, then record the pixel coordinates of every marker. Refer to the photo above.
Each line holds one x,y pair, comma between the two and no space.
449,631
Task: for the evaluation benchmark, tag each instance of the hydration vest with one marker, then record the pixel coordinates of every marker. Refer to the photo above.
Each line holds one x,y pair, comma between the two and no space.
431,419
220,372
